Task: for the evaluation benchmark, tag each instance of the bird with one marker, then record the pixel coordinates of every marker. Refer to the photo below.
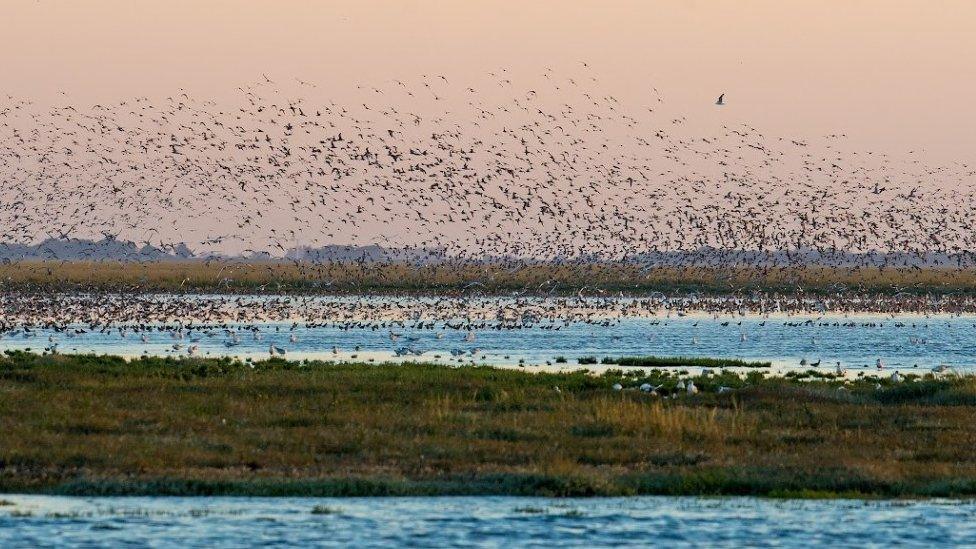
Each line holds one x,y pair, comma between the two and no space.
648,388
721,100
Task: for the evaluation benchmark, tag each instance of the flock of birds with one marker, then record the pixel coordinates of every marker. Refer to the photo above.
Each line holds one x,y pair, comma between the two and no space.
238,325
98,311
558,171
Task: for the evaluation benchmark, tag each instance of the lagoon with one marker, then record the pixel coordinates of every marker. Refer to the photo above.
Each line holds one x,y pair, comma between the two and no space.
909,343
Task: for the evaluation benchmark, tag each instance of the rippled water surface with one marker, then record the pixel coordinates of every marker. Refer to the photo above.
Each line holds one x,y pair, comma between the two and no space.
41,521
856,341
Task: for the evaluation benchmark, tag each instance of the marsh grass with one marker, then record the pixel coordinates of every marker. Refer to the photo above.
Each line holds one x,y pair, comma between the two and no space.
544,278
678,361
103,426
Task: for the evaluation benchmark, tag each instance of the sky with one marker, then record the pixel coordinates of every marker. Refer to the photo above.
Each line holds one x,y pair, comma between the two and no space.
893,75
210,122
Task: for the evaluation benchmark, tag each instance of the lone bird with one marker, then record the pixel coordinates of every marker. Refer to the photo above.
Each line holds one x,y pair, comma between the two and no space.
721,100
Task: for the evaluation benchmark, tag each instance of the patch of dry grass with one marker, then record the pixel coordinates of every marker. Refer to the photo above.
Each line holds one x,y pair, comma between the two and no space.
564,279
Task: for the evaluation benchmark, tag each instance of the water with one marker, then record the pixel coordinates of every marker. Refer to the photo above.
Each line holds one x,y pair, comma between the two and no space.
42,521
856,342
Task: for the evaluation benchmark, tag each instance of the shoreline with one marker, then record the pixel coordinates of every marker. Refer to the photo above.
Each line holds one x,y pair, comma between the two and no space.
778,367
758,483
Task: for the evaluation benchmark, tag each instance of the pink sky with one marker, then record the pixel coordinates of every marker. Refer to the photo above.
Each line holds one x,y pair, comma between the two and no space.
894,75
626,88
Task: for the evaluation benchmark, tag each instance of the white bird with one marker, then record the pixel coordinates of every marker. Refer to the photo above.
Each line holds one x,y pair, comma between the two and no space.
617,387
895,378
648,388
691,388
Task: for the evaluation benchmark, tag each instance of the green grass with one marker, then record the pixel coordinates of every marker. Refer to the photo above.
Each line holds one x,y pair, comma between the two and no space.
87,425
678,361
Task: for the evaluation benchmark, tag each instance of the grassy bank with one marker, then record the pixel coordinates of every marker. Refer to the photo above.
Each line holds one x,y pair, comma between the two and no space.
100,425
678,361
598,278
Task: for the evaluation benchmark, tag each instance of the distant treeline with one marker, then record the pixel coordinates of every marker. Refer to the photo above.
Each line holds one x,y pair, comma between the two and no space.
588,279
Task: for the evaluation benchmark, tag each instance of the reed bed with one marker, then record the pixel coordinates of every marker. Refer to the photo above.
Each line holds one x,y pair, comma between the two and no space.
593,279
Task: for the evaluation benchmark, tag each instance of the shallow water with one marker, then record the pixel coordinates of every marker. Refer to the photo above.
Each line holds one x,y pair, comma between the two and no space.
857,342
42,521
